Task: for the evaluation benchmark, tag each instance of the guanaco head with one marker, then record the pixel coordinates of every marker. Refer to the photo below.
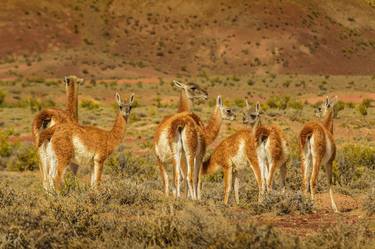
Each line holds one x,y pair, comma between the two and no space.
72,79
192,90
326,106
226,112
125,107
249,116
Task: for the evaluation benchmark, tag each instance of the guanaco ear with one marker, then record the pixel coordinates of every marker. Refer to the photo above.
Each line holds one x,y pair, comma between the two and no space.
333,101
66,80
118,99
178,84
131,100
247,104
80,81
327,101
257,108
219,101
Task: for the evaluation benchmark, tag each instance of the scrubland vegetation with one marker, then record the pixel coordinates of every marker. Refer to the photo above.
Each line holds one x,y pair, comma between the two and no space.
129,209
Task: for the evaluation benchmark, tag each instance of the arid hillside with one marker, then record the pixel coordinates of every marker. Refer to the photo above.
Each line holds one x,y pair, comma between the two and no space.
115,38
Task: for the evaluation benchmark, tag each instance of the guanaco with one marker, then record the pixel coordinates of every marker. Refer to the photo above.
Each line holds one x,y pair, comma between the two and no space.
181,136
271,146
317,147
49,117
86,145
233,154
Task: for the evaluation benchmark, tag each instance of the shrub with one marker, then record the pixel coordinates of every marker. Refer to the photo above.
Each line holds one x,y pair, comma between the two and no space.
294,104
35,104
89,104
283,203
362,109
239,103
6,148
354,164
339,106
24,158
366,102
2,97
280,103
369,204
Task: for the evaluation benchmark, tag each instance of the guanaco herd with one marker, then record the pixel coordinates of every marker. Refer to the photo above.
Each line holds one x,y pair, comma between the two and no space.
182,139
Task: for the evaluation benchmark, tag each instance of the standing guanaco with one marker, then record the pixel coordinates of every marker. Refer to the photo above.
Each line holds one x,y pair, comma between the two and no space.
181,136
271,146
317,147
233,154
49,117
86,145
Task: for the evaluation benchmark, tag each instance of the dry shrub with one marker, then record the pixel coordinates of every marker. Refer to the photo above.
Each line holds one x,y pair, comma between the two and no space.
369,204
355,165
343,236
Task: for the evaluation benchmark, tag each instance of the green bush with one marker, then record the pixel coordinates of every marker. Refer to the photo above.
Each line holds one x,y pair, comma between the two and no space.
2,97
24,158
35,104
89,104
280,103
367,102
362,109
294,104
239,103
6,148
355,165
339,106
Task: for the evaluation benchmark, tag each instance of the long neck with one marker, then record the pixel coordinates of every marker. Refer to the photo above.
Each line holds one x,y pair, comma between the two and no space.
211,130
118,130
72,100
328,120
185,104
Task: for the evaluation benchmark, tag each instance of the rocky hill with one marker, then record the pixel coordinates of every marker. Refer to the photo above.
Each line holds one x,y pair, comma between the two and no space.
117,39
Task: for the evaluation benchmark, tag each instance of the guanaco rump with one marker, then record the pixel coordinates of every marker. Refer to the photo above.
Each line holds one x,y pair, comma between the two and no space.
317,147
86,145
180,137
271,146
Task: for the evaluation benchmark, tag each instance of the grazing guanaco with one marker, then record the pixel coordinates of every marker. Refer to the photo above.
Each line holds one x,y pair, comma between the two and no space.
317,147
181,136
49,117
233,154
86,145
271,146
